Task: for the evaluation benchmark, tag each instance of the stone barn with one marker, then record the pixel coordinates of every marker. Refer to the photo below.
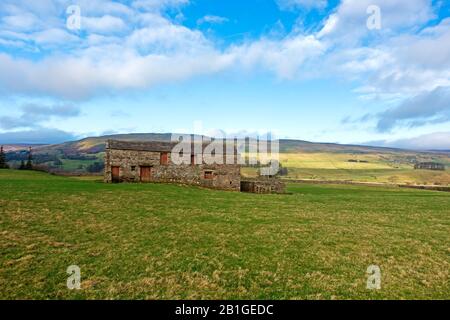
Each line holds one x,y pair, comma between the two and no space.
151,162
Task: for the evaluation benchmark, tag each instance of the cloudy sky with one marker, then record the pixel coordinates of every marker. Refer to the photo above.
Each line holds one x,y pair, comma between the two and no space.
318,70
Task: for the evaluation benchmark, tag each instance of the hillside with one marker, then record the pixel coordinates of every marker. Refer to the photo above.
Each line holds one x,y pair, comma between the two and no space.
303,160
96,144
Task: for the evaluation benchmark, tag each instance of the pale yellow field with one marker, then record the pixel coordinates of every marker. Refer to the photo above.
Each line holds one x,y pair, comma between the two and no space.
336,161
378,168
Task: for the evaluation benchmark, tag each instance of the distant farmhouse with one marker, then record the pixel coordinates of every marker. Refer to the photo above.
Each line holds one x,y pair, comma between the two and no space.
151,162
430,166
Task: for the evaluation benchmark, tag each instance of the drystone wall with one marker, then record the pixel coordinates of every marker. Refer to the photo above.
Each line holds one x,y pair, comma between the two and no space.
220,176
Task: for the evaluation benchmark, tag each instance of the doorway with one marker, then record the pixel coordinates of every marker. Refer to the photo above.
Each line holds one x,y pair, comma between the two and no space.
115,173
146,174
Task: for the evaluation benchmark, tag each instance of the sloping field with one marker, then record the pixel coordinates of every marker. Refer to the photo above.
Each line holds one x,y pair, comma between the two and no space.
389,168
394,176
158,241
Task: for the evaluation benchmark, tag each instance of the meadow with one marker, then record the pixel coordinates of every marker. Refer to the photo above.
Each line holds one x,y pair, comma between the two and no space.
158,241
383,168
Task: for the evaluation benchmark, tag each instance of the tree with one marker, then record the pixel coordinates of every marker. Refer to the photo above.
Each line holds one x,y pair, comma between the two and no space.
22,165
29,165
57,162
95,167
3,164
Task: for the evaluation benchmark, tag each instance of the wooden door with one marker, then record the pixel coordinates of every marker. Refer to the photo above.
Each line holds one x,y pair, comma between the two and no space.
115,172
146,174
164,159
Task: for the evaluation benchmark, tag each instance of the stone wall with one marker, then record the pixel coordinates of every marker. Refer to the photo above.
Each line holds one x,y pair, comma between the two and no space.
263,185
226,177
430,166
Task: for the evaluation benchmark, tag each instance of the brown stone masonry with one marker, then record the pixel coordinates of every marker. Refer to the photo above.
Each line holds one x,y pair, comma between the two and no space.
263,185
151,162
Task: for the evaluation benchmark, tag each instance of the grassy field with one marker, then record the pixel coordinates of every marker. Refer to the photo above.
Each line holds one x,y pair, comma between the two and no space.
386,176
387,168
158,241
372,167
390,176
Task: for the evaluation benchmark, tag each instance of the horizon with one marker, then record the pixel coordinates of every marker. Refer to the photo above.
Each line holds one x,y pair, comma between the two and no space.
31,144
373,73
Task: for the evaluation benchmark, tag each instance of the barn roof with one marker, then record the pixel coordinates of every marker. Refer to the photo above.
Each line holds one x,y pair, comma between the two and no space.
155,146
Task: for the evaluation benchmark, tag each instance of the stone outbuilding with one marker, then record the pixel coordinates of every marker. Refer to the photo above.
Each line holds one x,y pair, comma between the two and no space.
263,185
151,162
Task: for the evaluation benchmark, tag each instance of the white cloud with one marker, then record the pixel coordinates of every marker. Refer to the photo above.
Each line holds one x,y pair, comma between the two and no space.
156,50
431,141
212,19
329,26
79,78
284,57
33,115
105,24
136,46
20,22
160,35
431,42
428,107
405,64
348,24
169,53
53,36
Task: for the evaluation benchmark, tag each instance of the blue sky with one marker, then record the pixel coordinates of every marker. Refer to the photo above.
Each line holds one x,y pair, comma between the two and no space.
310,70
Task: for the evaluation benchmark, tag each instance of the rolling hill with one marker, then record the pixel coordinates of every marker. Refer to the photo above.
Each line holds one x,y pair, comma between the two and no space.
303,159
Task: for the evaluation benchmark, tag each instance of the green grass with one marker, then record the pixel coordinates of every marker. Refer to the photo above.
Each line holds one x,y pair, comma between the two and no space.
72,165
156,241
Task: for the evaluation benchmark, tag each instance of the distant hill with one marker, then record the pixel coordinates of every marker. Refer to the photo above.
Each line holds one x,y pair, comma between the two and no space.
19,146
294,146
301,159
97,144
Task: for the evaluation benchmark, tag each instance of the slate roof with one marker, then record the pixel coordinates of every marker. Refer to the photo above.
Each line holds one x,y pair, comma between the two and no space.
153,146
156,146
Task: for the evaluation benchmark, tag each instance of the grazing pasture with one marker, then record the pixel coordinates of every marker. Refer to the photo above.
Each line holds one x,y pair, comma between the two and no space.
157,241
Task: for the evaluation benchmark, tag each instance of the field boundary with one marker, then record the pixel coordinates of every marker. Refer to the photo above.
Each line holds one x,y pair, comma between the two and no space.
370,184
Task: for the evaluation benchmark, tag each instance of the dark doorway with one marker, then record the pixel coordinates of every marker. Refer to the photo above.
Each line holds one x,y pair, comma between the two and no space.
115,172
